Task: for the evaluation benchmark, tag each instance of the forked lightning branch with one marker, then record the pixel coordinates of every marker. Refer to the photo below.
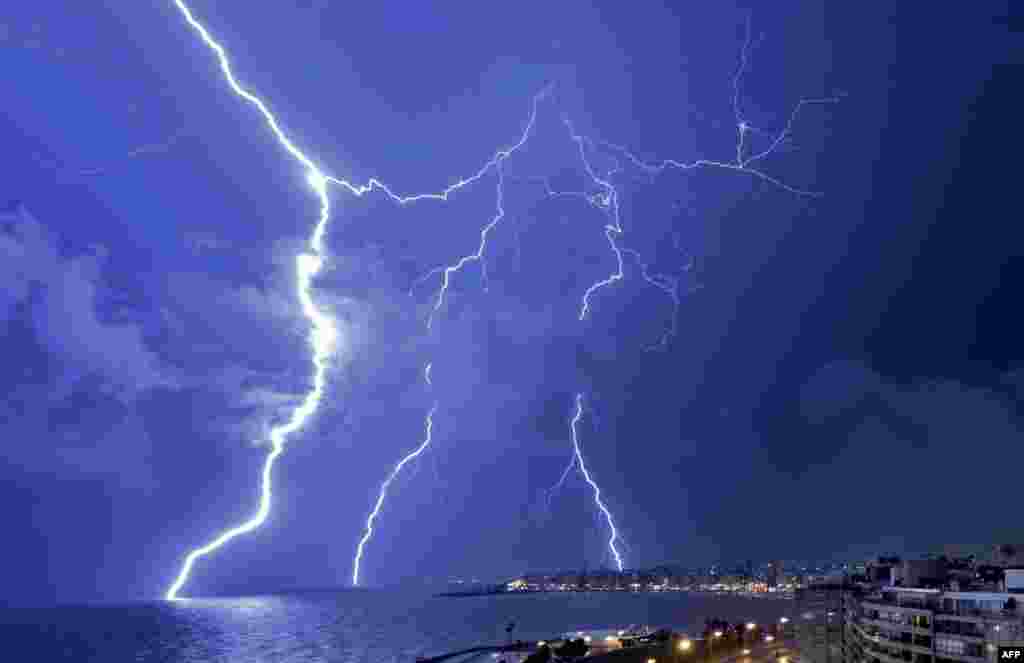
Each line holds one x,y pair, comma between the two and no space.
323,338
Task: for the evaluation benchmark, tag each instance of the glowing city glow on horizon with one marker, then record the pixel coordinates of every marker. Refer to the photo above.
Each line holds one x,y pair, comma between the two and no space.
597,491
323,336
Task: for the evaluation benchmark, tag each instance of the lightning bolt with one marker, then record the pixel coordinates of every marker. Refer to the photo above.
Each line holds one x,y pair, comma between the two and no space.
607,200
446,272
323,337
494,163
384,492
550,493
324,334
597,491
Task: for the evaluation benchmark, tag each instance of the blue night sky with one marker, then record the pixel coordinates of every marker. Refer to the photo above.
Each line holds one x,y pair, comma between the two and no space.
846,373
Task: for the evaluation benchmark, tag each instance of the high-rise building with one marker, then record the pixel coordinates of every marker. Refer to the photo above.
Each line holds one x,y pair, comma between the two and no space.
774,573
818,627
917,625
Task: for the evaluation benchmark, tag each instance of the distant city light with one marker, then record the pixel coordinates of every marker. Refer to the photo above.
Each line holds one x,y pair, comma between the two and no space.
717,634
685,645
751,626
783,620
746,652
769,638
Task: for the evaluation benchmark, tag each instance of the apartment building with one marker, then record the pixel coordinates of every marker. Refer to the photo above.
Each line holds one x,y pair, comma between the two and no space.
930,625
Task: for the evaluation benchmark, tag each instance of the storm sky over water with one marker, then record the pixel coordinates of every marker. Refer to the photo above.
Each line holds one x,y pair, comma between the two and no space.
846,372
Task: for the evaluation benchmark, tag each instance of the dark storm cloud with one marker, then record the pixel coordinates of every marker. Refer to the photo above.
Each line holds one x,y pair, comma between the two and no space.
918,435
837,387
65,312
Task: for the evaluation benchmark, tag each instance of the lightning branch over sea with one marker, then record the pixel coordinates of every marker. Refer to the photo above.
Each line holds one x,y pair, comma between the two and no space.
446,273
550,492
382,495
607,200
324,335
597,491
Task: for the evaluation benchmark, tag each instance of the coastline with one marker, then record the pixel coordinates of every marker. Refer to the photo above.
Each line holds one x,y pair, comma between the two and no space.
770,596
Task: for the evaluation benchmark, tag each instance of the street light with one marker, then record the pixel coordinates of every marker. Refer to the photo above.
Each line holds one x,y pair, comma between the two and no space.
746,652
769,638
783,620
685,645
751,626
711,644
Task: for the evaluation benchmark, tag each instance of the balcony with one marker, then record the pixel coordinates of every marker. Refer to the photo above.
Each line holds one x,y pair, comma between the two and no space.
939,607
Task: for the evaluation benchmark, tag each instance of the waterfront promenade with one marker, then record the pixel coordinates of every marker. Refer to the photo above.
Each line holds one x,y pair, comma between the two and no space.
669,652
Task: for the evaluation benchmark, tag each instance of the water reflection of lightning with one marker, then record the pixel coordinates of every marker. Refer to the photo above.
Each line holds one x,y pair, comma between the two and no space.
597,491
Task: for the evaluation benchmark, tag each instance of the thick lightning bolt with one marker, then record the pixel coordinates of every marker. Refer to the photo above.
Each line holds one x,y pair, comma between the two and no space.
324,333
323,336
597,491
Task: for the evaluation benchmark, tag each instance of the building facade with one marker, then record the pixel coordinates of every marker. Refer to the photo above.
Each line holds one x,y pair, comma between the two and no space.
917,625
818,622
774,573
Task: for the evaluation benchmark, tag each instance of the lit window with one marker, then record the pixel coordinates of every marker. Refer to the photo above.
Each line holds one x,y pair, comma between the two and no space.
949,646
